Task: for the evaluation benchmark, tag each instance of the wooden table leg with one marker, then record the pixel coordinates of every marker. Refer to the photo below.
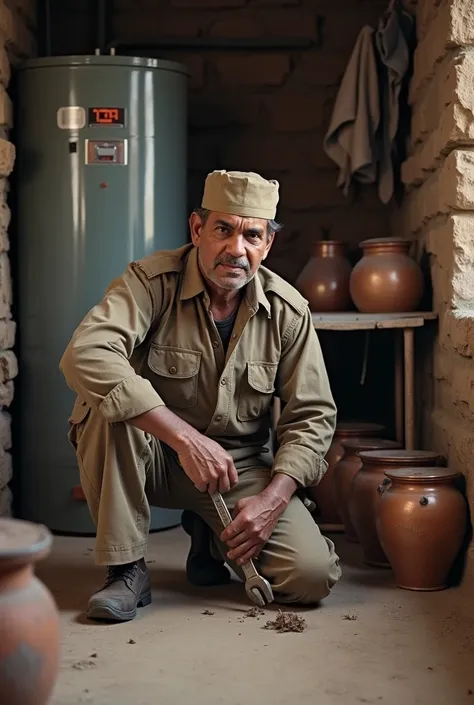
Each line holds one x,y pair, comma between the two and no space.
399,415
409,355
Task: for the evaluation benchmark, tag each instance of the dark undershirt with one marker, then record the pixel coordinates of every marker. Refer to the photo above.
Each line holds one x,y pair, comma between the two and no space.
224,328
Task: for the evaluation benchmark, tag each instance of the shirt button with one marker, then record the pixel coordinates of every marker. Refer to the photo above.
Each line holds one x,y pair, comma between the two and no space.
215,344
218,417
172,370
223,382
234,335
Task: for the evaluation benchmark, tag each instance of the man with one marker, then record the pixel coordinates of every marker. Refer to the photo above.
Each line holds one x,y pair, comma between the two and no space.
175,372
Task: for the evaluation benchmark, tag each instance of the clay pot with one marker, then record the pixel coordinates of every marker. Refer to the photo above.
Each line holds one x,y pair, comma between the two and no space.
324,280
345,470
29,623
421,520
364,494
327,515
386,279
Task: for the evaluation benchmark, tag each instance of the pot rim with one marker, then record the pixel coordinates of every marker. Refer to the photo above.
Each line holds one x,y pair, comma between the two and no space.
385,242
356,428
23,542
421,475
400,457
360,444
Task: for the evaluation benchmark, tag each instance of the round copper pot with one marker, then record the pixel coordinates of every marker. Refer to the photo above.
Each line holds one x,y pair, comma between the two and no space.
386,279
324,280
29,623
327,515
346,468
364,494
421,521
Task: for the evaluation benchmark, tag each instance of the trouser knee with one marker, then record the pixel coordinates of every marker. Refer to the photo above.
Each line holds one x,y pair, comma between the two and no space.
308,581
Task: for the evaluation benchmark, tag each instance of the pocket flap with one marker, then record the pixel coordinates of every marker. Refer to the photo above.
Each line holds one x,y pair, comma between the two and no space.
79,412
174,363
261,376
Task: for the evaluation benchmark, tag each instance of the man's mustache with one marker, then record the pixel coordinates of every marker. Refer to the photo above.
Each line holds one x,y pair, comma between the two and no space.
233,262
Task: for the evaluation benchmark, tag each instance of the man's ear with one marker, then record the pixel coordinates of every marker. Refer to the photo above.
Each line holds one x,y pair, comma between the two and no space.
195,227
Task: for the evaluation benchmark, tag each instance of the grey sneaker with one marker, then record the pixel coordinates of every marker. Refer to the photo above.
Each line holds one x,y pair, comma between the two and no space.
126,588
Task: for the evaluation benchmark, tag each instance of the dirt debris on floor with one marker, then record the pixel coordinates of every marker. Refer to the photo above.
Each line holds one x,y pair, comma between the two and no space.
209,613
287,622
349,617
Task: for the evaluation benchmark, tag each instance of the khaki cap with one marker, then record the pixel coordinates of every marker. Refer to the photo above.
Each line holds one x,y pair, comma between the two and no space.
241,193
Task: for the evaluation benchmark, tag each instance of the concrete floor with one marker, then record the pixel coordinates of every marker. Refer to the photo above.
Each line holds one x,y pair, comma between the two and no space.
398,646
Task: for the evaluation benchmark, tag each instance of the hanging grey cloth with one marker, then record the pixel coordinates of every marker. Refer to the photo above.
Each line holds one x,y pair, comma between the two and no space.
391,40
351,140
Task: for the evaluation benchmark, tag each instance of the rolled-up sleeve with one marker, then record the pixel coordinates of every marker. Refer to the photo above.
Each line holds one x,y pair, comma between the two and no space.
308,419
96,363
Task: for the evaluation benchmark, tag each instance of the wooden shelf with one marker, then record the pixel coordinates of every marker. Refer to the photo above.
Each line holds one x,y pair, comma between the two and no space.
370,321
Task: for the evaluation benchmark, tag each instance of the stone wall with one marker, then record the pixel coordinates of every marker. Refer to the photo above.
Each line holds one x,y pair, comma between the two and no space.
263,110
439,211
17,22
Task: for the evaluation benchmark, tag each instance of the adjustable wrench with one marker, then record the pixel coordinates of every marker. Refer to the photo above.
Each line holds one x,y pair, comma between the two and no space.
257,588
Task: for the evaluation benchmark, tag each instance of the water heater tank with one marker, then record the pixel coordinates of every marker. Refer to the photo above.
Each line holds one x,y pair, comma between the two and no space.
102,180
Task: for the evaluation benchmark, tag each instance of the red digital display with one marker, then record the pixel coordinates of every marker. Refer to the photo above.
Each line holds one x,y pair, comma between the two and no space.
106,116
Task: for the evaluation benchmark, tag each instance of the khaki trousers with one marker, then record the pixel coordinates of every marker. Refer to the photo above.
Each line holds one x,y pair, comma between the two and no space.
123,471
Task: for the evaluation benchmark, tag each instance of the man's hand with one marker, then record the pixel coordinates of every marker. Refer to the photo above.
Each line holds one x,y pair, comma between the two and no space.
203,460
207,464
254,522
255,519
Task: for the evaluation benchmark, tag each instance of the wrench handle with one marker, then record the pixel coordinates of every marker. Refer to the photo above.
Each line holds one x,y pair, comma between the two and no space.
221,506
248,568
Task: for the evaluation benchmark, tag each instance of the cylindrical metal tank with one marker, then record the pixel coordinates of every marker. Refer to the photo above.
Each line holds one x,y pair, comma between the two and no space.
102,180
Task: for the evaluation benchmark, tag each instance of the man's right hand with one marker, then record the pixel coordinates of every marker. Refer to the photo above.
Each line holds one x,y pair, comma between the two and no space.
203,460
207,464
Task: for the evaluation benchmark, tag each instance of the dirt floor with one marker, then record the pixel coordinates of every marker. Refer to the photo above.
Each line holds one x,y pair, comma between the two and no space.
369,642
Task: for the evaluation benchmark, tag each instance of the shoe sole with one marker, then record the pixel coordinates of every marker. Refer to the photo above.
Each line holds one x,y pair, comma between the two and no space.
102,612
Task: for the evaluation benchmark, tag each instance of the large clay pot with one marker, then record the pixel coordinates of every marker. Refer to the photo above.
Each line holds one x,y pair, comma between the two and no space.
364,494
345,470
421,521
386,279
29,623
324,280
326,514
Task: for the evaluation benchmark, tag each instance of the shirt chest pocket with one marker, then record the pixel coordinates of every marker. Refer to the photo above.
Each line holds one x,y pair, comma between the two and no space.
256,390
175,374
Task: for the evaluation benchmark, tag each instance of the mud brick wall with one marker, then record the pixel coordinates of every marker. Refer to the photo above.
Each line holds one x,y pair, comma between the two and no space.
439,212
17,22
263,110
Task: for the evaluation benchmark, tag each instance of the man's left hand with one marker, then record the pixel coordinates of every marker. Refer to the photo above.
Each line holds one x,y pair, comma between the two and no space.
254,521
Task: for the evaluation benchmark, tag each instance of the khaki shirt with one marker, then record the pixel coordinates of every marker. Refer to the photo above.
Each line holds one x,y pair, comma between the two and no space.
152,341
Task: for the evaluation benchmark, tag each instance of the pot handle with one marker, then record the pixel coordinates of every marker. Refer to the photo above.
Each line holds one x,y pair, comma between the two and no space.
381,489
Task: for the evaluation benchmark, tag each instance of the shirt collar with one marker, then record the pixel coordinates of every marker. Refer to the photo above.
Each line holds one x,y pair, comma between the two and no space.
193,285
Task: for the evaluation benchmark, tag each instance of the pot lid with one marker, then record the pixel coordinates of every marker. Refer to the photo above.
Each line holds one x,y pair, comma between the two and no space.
23,542
400,457
358,428
422,475
356,444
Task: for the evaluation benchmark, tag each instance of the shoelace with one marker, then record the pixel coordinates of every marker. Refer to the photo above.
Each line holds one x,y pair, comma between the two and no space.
120,572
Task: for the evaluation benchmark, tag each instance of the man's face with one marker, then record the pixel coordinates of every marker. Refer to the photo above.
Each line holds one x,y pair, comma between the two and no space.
230,248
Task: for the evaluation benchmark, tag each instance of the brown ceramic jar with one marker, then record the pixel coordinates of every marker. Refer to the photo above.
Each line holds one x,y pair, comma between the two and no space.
421,521
364,494
324,280
326,513
345,470
386,279
29,623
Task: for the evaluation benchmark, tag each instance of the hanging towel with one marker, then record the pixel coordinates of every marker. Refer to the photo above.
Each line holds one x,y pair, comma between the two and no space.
351,140
391,40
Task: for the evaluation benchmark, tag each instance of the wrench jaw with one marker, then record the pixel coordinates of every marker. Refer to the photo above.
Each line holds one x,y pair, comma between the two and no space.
259,591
